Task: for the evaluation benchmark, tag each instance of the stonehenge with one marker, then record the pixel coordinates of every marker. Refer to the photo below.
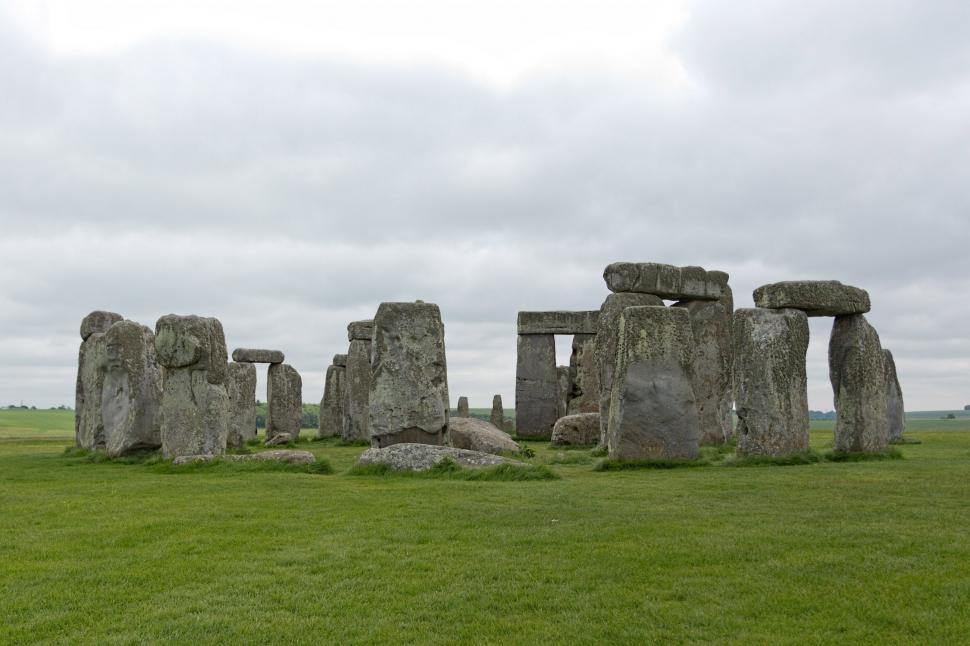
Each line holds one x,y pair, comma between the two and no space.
334,398
284,403
241,386
131,395
357,382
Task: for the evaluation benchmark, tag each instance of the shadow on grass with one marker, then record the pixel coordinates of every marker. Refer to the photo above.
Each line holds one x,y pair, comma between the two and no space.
843,456
808,457
449,469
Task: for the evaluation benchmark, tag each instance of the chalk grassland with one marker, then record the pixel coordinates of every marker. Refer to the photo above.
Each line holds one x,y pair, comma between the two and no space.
861,552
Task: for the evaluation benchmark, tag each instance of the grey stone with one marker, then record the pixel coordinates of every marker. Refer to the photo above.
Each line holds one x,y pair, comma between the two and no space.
360,331
895,413
497,416
279,455
332,404
814,297
195,402
463,407
508,426
409,387
565,388
478,435
582,429
98,321
771,388
607,343
131,397
340,360
711,326
653,412
284,401
253,355
536,386
584,376
241,386
357,383
557,322
421,457
857,369
88,423
280,439
665,281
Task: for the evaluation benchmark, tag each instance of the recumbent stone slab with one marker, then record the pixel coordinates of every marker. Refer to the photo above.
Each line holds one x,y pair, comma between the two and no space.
409,456
284,401
814,297
557,322
131,397
857,369
253,355
478,435
665,281
582,429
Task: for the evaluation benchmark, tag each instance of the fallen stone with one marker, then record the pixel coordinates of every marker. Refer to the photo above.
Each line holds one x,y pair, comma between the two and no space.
653,412
463,407
284,401
478,435
770,384
814,297
332,403
560,322
665,281
857,369
357,382
98,321
252,355
584,376
497,416
241,386
421,457
409,386
536,386
131,396
895,413
285,456
280,439
582,429
360,330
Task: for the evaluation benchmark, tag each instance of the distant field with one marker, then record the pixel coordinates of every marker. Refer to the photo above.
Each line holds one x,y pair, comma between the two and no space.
865,552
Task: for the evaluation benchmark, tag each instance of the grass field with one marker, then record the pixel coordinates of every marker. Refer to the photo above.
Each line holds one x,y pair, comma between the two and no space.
864,552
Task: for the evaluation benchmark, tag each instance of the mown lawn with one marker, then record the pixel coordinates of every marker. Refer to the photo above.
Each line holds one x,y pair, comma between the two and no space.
824,553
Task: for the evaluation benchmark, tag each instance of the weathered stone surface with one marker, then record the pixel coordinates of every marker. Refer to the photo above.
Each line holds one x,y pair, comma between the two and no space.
565,387
253,355
607,343
857,369
409,388
241,386
582,429
421,457
280,455
332,404
497,416
463,407
360,331
536,386
711,326
508,426
557,322
665,281
769,379
357,383
340,360
284,401
727,403
98,321
653,412
584,376
478,435
280,439
195,403
88,423
131,397
814,297
895,414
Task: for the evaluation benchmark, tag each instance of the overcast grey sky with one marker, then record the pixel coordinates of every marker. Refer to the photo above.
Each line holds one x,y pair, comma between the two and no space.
286,166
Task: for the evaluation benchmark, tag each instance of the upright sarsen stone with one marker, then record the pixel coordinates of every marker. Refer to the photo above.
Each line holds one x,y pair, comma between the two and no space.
88,425
497,417
536,386
241,386
857,369
895,413
284,401
653,412
357,383
565,388
409,387
770,384
584,376
332,404
131,397
463,407
195,403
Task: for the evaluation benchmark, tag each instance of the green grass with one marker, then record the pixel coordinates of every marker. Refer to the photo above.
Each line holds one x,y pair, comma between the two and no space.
831,552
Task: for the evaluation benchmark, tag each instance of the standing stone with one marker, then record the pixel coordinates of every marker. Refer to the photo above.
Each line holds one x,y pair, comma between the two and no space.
711,327
726,405
88,425
497,418
357,383
409,388
131,398
857,369
508,426
769,380
334,397
584,376
463,407
653,412
241,386
536,386
895,413
565,388
284,401
607,343
195,403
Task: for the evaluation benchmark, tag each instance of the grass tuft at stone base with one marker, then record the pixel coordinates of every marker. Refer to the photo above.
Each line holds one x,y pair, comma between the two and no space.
624,465
807,457
842,456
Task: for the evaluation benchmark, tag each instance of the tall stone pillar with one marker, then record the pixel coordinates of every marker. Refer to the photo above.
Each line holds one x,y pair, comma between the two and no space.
131,399
241,386
536,386
857,369
358,382
88,425
584,376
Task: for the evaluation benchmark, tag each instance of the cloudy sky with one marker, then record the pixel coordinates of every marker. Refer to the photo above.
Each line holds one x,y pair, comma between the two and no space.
286,166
